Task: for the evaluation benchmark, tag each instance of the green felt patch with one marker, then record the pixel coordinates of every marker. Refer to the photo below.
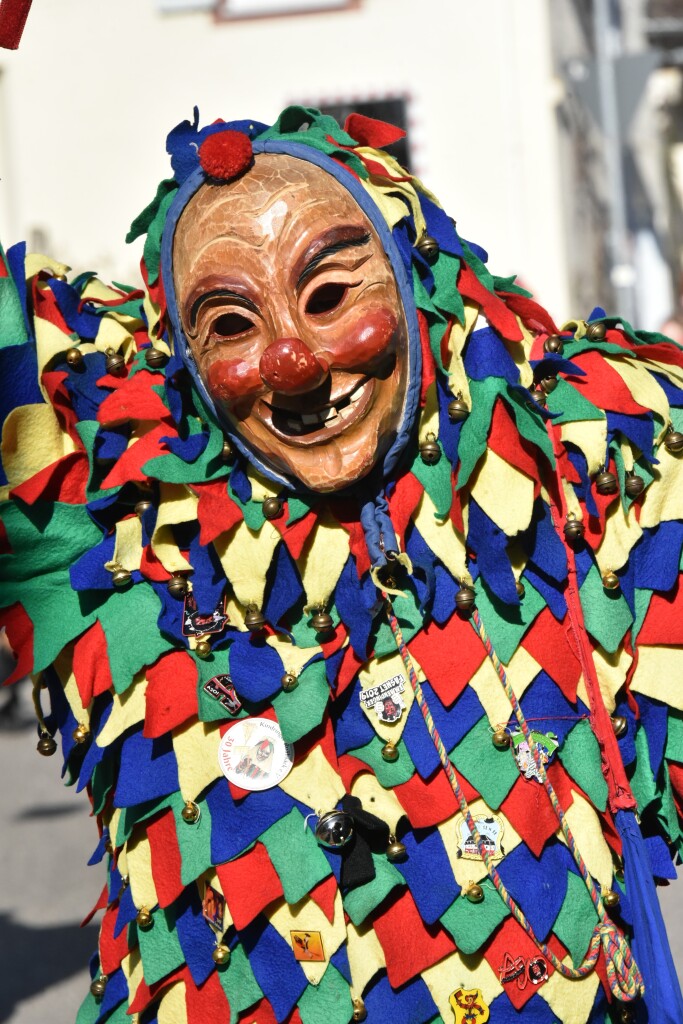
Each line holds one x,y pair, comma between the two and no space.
410,619
446,297
159,946
437,483
475,429
239,984
388,773
506,624
470,924
296,856
642,600
674,738
360,902
568,401
529,421
329,1001
508,284
102,782
194,841
492,772
89,1010
642,781
576,920
132,816
606,612
12,324
302,709
174,470
580,757
297,508
478,266
251,510
132,614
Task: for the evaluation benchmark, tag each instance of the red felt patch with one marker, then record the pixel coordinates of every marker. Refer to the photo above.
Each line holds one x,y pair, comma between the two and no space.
369,131
449,656
348,670
528,809
91,665
224,155
250,883
112,950
216,512
493,307
534,317
296,534
662,351
151,568
403,501
324,894
208,1003
166,860
19,631
129,465
349,767
428,368
664,619
410,946
13,15
603,386
548,642
171,697
346,514
506,441
64,480
144,994
134,400
53,382
430,802
102,901
511,938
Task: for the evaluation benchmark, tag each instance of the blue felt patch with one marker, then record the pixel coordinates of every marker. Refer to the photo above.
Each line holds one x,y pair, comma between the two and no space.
553,363
278,974
208,578
236,824
627,742
351,728
584,563
544,704
449,433
583,489
401,236
114,994
536,1011
172,389
541,542
147,770
89,573
440,227
340,960
673,393
61,717
332,666
82,322
194,934
81,385
94,754
660,858
19,369
189,448
355,601
653,719
240,483
444,597
489,543
284,589
184,141
16,259
424,561
486,356
427,861
100,850
549,591
627,584
170,618
657,555
111,443
127,911
640,430
538,885
256,669
410,1004
452,726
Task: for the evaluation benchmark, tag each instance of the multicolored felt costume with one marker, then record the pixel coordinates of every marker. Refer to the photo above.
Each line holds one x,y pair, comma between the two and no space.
509,577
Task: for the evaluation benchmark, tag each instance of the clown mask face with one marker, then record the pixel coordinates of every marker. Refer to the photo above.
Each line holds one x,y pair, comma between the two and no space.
292,313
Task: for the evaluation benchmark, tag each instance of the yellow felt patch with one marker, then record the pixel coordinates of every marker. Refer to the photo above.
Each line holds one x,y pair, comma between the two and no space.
31,440
366,956
442,537
386,193
177,504
142,887
663,500
115,335
626,454
459,971
127,709
196,750
97,291
172,1008
570,1000
377,800
520,352
670,370
377,671
486,683
245,556
151,311
495,477
457,336
642,385
36,262
466,870
314,782
111,821
306,915
131,965
323,560
658,673
611,670
63,666
293,657
591,437
128,545
260,487
622,531
50,341
585,826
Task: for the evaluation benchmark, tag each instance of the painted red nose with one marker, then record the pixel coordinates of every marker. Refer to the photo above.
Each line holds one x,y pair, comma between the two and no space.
289,366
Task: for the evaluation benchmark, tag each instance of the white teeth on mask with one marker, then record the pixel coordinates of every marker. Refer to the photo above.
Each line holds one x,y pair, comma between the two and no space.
327,415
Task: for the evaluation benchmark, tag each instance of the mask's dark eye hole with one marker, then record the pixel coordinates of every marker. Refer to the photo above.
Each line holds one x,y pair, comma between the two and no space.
325,299
229,325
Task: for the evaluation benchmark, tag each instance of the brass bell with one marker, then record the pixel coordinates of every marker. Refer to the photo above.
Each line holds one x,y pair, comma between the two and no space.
548,384
322,622
606,482
334,829
458,410
143,506
272,508
289,682
519,587
98,985
553,343
428,247
144,918
389,752
596,332
673,441
627,1015
501,739
227,451
573,530
359,1011
611,899
634,486
190,813
155,358
220,955
610,581
395,850
619,725
430,453
177,586
81,733
74,358
465,598
538,397
46,745
474,893
115,363
254,620
121,577
203,649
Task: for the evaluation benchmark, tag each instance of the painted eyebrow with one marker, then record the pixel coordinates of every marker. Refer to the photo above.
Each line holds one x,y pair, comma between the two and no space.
330,250
220,293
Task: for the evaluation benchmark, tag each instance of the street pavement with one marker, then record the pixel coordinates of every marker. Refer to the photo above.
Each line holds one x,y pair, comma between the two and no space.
46,889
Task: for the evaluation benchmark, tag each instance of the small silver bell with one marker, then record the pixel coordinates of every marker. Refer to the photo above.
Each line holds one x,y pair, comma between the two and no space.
334,829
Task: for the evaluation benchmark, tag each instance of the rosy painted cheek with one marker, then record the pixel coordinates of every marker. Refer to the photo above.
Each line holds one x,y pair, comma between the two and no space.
366,342
232,379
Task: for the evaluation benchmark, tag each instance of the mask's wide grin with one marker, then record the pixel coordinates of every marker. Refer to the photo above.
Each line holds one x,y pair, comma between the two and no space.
299,423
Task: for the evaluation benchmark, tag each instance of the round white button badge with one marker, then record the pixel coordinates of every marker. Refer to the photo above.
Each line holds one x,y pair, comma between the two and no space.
253,755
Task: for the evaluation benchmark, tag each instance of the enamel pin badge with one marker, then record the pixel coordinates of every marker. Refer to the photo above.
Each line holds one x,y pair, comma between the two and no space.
308,946
544,743
222,690
490,828
468,1006
196,623
386,699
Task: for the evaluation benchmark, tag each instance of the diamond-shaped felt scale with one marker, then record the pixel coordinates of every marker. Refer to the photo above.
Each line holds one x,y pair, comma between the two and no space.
470,924
531,814
236,824
296,856
239,983
147,770
513,940
160,946
166,863
330,1001
250,883
493,772
538,885
410,946
426,860
411,1004
431,801
361,901
548,642
277,972
197,940
576,920
536,1011
580,757
606,613
506,624
207,1002
301,710
389,774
